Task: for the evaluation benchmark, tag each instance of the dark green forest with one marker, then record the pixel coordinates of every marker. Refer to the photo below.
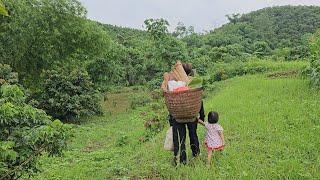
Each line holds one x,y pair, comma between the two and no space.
56,64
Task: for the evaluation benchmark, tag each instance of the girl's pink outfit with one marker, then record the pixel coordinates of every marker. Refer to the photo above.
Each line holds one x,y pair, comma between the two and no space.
213,140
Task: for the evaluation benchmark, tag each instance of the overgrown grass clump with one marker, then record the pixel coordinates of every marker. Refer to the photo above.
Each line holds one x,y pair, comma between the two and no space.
223,71
314,68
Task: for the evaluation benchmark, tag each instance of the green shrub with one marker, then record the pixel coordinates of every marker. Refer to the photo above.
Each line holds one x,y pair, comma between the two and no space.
155,83
201,64
153,127
220,75
122,140
106,71
140,100
7,76
69,94
261,49
314,68
26,133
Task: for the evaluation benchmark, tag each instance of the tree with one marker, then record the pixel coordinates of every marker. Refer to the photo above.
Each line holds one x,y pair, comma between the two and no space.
234,18
261,48
108,70
157,28
26,132
182,31
42,33
69,94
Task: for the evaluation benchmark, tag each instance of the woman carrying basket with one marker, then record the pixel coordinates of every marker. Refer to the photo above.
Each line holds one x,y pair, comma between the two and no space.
179,131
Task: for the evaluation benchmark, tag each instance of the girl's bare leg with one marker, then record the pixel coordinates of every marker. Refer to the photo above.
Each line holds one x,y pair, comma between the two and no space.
209,158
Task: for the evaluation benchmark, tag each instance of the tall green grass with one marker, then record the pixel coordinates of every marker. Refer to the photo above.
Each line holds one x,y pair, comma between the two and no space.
272,130
223,71
256,65
271,127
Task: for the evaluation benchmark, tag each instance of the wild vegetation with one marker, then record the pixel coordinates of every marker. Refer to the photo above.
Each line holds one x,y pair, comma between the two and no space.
55,63
26,132
279,31
268,142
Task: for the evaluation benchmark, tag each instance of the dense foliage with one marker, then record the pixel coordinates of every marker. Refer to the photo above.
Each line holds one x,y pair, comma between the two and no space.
283,26
31,43
26,132
123,56
41,33
125,36
69,94
7,76
281,32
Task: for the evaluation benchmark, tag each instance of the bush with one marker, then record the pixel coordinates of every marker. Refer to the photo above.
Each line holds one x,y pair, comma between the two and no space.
122,140
201,64
69,95
26,133
12,93
7,76
140,100
314,68
108,70
155,83
220,75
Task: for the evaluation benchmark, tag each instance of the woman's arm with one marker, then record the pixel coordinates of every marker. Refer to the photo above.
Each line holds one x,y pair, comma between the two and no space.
201,113
170,119
200,122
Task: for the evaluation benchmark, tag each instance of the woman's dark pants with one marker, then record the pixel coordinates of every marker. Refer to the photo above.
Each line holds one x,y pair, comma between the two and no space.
179,132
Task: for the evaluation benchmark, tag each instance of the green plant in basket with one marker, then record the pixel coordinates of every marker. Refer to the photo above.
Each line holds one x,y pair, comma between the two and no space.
196,82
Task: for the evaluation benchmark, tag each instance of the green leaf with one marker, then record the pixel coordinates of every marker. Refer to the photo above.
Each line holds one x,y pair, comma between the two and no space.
196,83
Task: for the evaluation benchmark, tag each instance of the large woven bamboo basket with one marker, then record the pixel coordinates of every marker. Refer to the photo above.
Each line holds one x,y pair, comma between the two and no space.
184,106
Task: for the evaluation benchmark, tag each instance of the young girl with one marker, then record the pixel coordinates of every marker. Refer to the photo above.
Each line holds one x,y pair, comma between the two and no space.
214,140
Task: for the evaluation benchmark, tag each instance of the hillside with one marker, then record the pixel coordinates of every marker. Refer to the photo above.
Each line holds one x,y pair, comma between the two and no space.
284,25
280,26
284,29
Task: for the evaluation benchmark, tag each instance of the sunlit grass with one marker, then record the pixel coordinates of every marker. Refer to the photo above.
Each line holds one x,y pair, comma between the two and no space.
272,128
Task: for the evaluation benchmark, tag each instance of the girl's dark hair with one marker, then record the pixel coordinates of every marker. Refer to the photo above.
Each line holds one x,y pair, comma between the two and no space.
213,117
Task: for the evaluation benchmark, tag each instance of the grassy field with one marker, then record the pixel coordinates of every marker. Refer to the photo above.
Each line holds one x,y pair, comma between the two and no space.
272,130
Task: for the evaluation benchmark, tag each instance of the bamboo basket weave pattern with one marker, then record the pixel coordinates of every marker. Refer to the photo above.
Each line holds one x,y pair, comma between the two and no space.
184,106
